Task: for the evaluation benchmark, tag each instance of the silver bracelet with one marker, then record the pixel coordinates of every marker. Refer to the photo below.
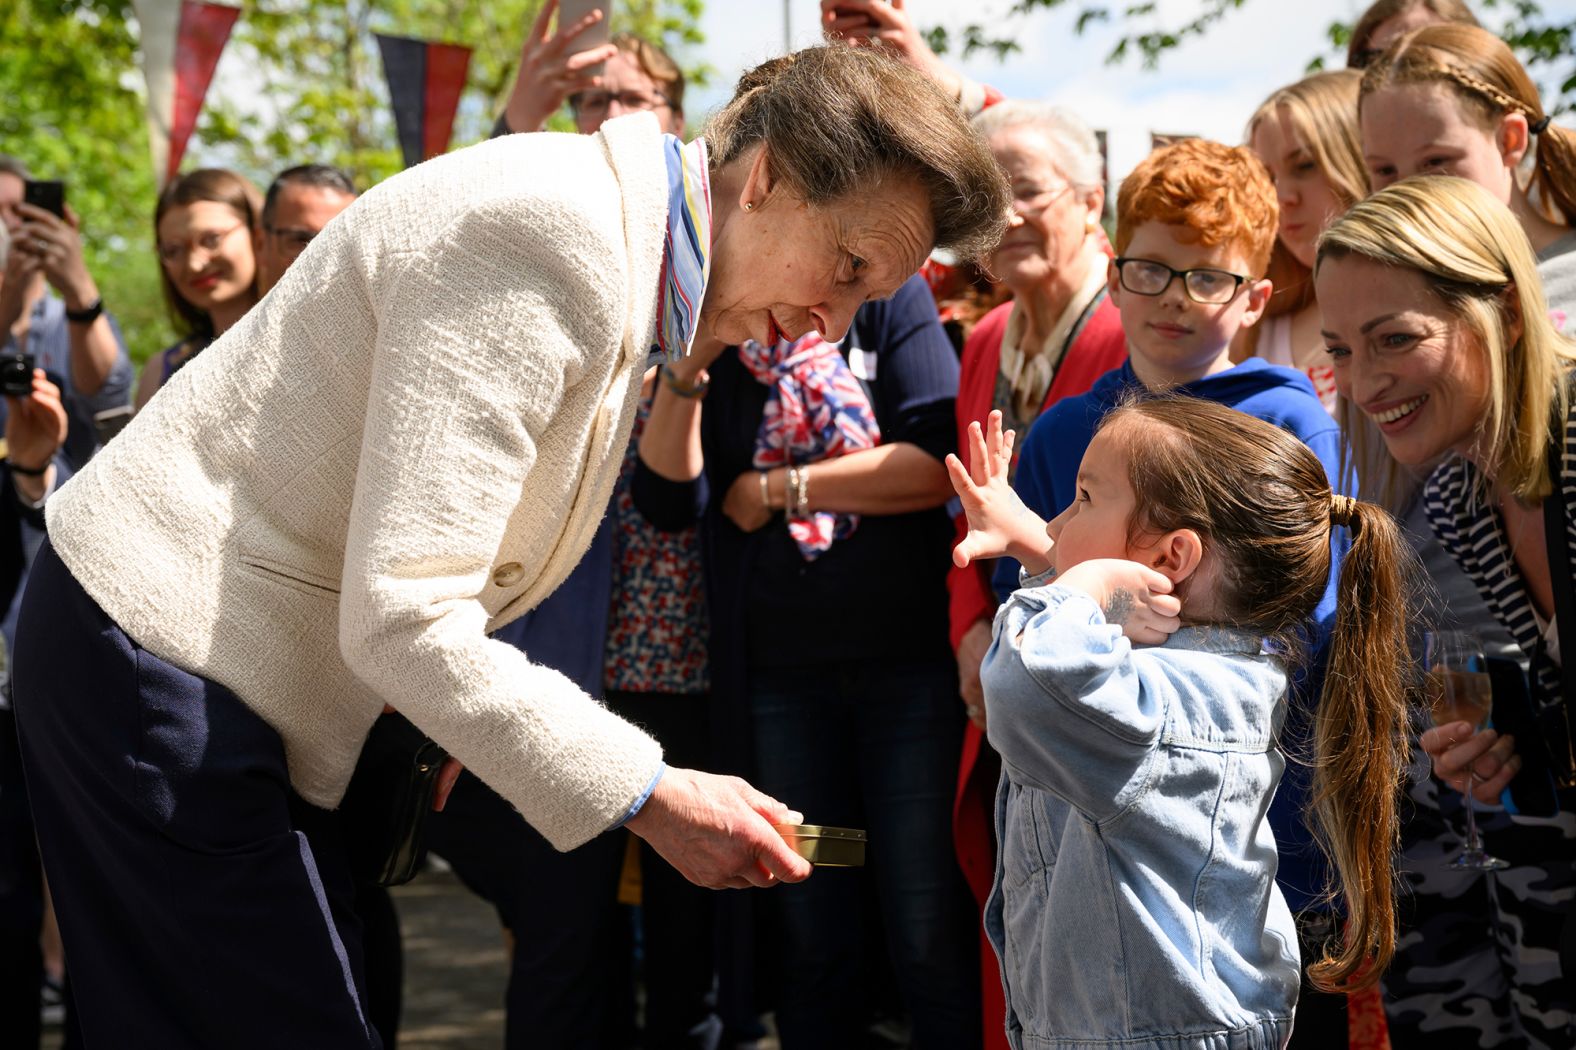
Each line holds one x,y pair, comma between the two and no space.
791,491
802,505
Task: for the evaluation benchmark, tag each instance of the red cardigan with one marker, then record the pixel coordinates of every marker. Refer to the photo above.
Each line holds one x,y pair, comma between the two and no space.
1099,347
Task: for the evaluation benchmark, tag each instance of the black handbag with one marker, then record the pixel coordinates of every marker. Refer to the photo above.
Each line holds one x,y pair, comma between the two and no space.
384,811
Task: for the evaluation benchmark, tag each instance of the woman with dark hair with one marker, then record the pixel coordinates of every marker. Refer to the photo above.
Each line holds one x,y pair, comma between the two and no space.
204,224
407,445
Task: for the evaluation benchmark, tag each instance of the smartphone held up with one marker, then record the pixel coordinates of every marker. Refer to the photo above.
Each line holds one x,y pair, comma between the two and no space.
48,194
572,12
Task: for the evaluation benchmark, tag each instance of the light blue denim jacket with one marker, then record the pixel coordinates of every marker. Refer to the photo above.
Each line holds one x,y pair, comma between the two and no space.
1135,902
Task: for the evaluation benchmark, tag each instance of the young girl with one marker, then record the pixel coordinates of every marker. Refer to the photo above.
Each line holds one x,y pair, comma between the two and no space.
1455,100
1306,135
1135,698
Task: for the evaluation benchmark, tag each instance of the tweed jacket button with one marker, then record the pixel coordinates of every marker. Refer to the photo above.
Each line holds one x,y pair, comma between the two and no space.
508,574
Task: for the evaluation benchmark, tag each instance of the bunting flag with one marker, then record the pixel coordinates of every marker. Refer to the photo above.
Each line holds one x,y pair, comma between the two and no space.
425,82
181,43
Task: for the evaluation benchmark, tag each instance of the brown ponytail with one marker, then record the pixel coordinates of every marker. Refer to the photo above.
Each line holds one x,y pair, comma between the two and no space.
1556,178
1361,746
1260,499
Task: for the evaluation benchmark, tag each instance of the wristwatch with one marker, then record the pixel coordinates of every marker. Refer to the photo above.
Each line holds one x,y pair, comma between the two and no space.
88,314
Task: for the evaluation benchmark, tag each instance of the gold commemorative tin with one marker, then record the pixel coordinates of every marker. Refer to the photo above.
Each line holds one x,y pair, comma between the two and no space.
825,847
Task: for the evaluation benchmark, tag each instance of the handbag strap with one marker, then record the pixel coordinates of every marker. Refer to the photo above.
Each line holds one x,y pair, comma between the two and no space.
1556,538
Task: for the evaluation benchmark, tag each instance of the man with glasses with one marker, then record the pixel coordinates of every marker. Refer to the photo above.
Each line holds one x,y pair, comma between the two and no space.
636,75
50,308
299,203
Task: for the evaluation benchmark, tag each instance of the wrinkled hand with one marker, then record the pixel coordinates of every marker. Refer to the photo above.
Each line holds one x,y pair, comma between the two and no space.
551,69
55,244
971,654
743,505
999,523
865,23
35,426
717,831
1454,748
1134,597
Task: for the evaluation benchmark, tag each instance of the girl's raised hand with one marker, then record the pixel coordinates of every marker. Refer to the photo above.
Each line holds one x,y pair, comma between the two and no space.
999,523
1133,597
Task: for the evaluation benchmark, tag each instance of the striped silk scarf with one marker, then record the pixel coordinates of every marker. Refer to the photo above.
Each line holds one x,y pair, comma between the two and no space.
686,251
816,410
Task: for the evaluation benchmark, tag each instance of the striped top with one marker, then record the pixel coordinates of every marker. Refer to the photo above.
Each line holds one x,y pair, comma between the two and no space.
1469,529
686,251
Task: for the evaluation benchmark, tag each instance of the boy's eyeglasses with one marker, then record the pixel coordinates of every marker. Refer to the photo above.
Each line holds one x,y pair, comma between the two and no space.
1147,277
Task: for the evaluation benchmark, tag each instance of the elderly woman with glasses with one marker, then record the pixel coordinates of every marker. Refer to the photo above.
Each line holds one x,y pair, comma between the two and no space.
406,446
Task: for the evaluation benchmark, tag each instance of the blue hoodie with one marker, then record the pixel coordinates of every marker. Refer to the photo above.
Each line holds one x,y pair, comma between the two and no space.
1047,481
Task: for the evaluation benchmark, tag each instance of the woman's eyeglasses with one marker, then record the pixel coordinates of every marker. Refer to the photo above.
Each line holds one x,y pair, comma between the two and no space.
597,103
1032,202
1147,277
208,243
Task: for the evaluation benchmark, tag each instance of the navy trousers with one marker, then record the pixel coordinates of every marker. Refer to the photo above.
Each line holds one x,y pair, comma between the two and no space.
201,902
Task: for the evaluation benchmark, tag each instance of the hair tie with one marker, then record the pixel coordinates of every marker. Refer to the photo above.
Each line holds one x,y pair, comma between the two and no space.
1540,126
1343,510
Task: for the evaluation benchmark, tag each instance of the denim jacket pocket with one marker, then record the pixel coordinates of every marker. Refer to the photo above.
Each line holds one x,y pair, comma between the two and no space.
1028,849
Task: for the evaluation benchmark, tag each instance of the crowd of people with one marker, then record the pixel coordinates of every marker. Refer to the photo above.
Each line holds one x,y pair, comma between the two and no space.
1086,572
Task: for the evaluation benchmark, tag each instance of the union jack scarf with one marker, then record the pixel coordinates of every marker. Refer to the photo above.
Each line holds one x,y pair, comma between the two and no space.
816,410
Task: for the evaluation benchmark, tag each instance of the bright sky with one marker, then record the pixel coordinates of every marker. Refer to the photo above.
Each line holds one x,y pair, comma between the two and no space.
1208,87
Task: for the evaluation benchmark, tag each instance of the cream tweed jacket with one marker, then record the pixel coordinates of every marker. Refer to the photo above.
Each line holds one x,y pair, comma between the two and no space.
407,444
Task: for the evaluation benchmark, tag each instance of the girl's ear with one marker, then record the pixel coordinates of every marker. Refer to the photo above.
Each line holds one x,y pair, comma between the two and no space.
1176,555
1513,138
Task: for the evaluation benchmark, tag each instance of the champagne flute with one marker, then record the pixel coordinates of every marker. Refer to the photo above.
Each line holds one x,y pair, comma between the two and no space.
1456,683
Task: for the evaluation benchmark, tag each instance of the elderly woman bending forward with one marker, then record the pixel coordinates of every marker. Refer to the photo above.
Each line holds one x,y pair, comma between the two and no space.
405,445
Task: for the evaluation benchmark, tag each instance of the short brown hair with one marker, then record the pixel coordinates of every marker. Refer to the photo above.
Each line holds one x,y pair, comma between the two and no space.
1222,193
1359,53
837,120
221,186
656,64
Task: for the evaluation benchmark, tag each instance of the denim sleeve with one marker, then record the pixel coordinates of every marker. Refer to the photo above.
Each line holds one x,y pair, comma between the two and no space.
1071,707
